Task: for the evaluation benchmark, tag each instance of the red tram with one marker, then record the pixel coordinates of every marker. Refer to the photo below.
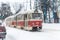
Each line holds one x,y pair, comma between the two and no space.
28,20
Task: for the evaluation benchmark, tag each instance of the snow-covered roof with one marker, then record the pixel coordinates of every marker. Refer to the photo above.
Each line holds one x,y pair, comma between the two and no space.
32,11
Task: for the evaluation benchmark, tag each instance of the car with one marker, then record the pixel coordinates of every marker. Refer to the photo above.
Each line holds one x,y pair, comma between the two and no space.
2,31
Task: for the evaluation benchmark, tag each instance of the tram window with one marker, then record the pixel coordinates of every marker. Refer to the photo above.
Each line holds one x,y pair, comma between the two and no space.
20,17
29,16
25,16
14,18
36,16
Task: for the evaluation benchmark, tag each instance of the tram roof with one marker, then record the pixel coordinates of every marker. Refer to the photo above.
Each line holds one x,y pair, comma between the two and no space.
29,11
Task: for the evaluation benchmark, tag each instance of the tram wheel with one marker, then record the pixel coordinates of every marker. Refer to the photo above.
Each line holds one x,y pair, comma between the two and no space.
40,27
22,28
14,26
34,29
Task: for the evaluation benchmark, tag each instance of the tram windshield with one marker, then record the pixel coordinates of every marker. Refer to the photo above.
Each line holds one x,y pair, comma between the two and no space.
36,15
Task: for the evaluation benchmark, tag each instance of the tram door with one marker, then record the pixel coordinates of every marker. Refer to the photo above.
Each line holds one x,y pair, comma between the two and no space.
25,20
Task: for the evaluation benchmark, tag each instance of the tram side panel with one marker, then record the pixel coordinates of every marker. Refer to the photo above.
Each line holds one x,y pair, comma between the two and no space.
19,22
27,24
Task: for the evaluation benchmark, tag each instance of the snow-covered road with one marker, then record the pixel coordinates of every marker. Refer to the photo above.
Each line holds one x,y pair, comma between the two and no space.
49,32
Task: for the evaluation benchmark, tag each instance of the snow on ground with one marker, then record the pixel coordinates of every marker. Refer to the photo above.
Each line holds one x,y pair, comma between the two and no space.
49,32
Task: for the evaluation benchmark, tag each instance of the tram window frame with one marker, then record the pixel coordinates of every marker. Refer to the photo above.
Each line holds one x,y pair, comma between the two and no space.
37,16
